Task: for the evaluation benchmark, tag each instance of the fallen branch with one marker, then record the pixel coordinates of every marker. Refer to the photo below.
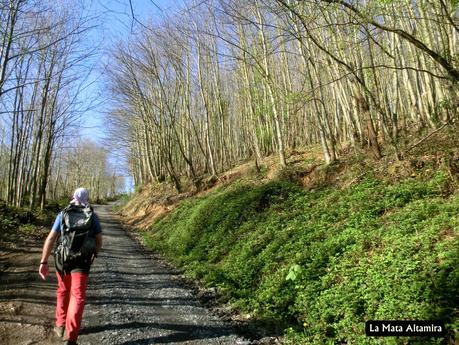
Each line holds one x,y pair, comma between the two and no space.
450,122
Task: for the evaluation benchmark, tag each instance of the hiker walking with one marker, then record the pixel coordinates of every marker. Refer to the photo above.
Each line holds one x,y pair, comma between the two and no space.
80,239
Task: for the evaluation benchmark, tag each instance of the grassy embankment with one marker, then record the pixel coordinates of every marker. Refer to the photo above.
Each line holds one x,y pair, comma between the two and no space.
324,260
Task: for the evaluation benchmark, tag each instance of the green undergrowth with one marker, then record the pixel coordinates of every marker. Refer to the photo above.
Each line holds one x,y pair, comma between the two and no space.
323,262
120,201
16,223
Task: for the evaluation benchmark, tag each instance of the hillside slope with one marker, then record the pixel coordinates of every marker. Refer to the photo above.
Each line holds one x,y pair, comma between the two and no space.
320,250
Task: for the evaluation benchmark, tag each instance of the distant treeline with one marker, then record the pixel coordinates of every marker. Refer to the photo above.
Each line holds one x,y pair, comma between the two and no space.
45,67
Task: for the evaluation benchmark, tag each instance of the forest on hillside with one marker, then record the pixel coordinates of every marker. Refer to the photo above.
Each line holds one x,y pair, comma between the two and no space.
225,81
211,105
219,82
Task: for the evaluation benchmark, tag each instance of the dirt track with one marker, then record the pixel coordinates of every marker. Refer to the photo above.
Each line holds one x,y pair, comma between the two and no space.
133,298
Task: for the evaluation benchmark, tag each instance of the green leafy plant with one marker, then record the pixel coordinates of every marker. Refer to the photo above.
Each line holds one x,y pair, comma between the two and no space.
322,262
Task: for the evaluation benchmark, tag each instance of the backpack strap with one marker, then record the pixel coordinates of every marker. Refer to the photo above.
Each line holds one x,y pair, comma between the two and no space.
62,223
68,207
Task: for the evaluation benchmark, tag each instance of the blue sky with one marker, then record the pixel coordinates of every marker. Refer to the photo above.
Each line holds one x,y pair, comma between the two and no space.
114,23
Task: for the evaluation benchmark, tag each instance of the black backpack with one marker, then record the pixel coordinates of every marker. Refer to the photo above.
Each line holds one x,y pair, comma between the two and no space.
77,243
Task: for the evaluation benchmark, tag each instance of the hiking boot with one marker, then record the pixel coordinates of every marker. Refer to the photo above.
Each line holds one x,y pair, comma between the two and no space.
59,330
70,342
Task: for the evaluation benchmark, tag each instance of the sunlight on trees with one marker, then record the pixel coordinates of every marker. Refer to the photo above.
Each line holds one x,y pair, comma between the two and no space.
221,82
41,81
232,80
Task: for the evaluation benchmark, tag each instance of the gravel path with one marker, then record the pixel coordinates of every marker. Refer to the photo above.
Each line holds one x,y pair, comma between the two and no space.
134,299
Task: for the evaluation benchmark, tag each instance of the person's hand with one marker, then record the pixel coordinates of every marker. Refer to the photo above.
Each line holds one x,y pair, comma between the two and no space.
43,270
93,256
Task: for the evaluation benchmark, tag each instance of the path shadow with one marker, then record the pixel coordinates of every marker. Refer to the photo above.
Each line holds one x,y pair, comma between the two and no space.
181,333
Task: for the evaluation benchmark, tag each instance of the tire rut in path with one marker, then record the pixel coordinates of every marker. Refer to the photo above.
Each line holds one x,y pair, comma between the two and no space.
134,299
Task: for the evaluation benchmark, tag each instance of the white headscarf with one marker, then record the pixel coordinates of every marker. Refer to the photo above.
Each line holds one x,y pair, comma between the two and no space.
80,196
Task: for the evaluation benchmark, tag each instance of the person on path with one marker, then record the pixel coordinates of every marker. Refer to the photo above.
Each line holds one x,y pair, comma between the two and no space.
72,281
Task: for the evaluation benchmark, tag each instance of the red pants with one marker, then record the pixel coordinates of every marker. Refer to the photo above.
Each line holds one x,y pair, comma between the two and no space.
71,297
